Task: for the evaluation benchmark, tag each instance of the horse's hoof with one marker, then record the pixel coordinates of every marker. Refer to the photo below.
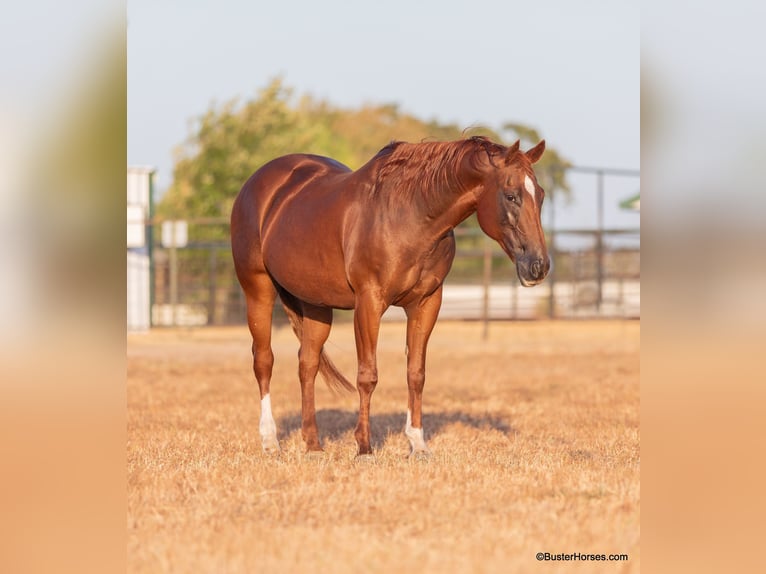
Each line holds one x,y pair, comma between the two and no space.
420,455
365,459
271,446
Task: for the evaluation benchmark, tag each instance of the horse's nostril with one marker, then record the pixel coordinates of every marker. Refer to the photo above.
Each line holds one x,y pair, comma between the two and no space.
535,269
539,267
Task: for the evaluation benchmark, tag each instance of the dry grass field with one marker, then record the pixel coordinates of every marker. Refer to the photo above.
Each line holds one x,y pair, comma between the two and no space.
534,433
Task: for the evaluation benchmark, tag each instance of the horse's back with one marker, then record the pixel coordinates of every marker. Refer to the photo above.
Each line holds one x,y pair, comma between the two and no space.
275,180
284,175
287,218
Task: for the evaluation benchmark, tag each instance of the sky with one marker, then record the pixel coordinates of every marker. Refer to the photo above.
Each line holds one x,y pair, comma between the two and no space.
569,69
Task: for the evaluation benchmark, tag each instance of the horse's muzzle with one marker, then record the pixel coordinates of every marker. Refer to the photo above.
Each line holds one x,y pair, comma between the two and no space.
532,271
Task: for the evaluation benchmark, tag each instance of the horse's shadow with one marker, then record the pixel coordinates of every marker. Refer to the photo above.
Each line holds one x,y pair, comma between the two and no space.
334,423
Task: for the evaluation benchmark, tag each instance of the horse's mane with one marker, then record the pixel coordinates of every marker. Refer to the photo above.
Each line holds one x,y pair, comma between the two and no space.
408,171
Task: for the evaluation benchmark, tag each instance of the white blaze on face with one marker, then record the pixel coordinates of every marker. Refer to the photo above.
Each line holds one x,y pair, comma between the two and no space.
529,185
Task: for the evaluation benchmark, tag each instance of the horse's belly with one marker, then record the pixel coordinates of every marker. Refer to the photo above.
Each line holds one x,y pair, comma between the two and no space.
302,246
325,294
311,276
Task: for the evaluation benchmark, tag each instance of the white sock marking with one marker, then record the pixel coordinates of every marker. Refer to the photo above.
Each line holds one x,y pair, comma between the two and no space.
267,426
529,185
417,442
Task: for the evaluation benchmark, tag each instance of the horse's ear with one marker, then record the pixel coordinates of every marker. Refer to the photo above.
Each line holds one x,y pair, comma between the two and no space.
536,152
512,150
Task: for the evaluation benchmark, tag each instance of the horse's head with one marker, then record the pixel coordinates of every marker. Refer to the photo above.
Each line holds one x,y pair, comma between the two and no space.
509,211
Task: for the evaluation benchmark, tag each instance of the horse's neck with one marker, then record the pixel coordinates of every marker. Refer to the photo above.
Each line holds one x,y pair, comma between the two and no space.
453,200
427,225
459,202
463,205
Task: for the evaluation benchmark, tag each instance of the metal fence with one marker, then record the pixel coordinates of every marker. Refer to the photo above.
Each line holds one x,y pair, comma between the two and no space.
595,271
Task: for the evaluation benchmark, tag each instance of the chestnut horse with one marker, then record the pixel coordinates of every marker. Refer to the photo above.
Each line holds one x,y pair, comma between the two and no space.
323,237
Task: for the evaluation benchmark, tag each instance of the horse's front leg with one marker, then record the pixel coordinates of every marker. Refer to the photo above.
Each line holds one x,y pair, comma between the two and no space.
421,318
367,314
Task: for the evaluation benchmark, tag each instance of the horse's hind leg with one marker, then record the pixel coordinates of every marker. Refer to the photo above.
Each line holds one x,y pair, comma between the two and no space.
316,328
260,304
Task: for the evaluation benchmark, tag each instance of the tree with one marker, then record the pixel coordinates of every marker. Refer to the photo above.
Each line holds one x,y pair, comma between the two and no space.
231,141
228,145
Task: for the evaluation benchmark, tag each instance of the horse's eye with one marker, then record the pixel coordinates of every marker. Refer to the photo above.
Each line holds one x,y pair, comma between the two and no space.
512,198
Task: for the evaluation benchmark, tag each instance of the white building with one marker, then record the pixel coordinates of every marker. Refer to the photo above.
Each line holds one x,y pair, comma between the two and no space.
139,242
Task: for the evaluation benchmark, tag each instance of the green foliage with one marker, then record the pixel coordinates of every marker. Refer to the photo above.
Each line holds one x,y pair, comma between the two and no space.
231,141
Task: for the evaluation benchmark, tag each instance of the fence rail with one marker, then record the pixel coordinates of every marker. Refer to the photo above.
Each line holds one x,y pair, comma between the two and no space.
196,285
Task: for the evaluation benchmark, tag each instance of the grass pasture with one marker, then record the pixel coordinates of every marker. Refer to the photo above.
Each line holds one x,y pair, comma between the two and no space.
534,434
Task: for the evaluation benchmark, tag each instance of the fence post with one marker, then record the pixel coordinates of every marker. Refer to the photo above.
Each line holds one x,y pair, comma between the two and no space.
212,268
486,281
173,260
552,255
514,298
600,242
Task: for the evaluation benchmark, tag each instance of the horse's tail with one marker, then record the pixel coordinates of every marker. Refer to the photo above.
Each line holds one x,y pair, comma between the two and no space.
330,373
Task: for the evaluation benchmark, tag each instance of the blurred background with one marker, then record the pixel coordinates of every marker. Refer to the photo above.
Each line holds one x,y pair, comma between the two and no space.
214,92
87,86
